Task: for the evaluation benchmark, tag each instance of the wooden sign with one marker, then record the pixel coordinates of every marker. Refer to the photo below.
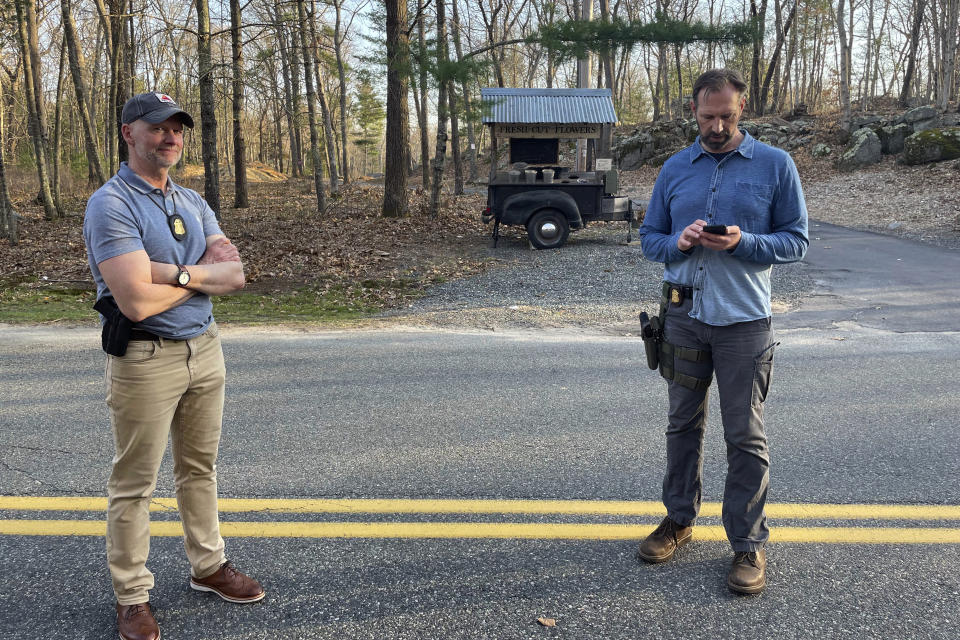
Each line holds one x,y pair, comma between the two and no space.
546,130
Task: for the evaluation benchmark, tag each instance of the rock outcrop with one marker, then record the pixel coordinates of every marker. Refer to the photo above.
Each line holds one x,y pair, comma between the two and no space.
867,138
932,145
652,144
864,149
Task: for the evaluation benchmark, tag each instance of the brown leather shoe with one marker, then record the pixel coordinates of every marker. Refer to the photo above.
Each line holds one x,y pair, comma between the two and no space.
136,622
230,584
660,545
748,573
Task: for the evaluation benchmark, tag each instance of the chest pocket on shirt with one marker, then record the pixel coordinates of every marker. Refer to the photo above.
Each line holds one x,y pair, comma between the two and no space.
753,204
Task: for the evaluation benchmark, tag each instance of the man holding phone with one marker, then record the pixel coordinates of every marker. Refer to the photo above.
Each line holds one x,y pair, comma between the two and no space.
723,211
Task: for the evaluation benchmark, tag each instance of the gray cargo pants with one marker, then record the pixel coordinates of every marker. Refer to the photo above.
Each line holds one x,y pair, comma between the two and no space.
743,363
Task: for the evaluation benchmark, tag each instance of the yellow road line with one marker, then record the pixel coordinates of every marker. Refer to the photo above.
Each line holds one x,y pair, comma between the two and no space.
510,530
784,511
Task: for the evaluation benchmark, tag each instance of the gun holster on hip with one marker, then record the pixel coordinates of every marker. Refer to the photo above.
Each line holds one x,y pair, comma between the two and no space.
651,330
116,327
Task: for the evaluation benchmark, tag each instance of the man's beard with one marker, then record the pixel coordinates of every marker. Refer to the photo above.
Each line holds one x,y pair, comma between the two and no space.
162,161
718,143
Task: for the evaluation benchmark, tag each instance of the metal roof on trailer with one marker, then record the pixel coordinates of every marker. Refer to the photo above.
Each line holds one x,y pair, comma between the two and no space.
547,105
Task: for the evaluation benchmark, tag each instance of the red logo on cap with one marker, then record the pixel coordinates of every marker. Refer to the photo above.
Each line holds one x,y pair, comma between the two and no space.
162,97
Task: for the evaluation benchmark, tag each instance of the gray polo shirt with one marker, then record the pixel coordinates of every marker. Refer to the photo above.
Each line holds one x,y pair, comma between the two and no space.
128,214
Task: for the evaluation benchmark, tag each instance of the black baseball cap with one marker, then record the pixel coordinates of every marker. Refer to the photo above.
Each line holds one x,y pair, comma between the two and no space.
153,107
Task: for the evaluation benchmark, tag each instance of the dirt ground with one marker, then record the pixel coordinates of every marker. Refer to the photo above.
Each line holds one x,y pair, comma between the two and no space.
285,243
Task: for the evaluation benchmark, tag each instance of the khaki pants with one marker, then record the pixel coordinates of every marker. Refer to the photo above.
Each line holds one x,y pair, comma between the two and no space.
160,389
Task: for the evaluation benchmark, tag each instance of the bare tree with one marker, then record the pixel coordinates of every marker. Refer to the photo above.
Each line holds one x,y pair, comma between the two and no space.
311,109
440,154
324,108
422,102
30,58
844,65
208,110
395,200
339,36
239,143
8,216
75,55
948,60
465,87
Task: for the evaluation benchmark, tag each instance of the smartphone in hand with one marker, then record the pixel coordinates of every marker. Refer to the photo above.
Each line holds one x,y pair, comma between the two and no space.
716,229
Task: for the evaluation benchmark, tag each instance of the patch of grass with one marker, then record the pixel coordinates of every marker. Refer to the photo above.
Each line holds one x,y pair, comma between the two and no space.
306,305
329,303
23,304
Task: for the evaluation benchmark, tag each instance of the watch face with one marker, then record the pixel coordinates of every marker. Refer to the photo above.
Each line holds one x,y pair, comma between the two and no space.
183,278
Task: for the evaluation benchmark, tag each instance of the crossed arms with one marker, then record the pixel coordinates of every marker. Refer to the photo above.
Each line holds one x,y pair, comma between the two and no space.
143,288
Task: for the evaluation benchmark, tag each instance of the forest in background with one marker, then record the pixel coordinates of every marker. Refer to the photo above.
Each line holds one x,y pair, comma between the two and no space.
333,90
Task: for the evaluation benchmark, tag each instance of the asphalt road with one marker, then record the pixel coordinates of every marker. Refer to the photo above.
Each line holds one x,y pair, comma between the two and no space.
861,412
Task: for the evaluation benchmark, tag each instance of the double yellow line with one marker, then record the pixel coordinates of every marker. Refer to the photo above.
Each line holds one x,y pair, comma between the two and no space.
522,530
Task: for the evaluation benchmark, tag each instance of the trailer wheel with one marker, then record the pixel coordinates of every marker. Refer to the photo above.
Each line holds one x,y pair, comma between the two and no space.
548,229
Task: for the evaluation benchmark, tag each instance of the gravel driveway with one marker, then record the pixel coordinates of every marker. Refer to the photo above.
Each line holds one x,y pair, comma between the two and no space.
599,282
595,281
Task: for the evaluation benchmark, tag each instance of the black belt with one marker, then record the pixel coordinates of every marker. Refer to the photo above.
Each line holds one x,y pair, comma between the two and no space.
140,334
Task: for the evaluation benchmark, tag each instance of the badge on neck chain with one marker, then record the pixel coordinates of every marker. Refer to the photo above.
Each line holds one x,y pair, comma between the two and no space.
177,226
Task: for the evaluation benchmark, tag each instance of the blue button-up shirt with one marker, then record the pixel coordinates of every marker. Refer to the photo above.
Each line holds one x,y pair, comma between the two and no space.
757,188
129,214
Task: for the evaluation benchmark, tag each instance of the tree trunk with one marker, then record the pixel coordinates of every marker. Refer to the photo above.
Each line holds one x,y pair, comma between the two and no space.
311,109
240,201
208,111
756,106
75,57
844,66
440,155
324,110
948,35
395,202
8,216
775,57
606,58
119,76
342,76
56,143
110,117
27,19
455,141
465,88
290,105
422,113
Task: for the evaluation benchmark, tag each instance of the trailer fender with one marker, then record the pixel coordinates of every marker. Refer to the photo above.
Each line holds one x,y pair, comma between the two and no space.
520,207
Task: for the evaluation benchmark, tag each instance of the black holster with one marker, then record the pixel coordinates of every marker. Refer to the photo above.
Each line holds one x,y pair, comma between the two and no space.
116,327
652,333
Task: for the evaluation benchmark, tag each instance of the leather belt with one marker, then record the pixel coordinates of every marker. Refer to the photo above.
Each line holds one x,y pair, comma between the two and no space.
141,335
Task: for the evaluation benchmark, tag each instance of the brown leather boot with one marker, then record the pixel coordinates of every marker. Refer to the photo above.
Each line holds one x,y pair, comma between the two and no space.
230,584
136,622
660,545
748,573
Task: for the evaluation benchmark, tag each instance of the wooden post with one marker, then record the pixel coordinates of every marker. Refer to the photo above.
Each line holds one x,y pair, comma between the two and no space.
493,156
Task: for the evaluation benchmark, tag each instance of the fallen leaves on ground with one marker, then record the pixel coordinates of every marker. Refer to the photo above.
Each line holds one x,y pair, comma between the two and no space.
285,243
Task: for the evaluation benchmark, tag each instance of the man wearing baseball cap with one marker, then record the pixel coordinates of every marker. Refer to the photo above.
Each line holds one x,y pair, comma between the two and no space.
157,255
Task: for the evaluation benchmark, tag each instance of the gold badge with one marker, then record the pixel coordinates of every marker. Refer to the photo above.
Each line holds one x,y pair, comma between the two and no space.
675,296
177,226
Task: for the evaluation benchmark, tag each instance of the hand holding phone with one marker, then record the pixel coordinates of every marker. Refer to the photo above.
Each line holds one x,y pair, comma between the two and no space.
716,229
